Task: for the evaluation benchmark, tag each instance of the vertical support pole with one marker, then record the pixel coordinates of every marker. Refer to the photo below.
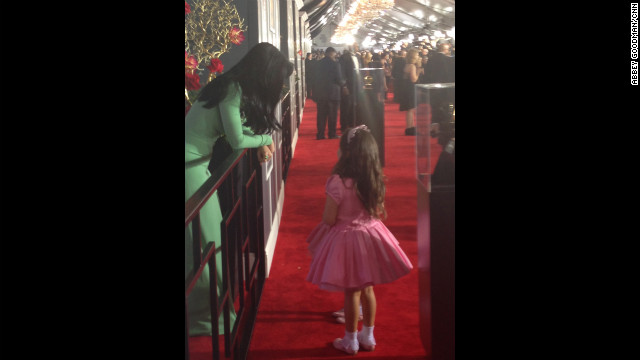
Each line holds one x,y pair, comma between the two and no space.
186,331
224,239
213,303
197,247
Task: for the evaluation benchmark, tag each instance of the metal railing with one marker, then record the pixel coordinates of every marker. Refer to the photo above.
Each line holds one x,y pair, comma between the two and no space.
298,105
239,184
288,130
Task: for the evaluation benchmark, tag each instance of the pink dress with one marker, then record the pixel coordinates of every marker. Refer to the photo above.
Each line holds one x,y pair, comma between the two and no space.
358,250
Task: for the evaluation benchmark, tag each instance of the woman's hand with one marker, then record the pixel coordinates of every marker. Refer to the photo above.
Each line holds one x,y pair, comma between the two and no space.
265,153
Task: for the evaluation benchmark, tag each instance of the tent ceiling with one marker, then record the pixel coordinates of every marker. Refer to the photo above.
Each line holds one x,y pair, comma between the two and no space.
416,17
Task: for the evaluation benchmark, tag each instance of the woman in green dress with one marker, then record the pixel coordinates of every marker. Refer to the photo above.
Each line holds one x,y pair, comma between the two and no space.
240,105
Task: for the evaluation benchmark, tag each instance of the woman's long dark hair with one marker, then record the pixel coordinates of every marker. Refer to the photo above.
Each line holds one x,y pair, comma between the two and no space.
260,74
360,161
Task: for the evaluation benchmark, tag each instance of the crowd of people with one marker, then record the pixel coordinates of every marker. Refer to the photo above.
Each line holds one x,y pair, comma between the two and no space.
330,86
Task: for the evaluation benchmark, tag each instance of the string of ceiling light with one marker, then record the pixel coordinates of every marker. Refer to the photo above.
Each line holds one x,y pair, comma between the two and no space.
319,21
365,14
437,9
360,12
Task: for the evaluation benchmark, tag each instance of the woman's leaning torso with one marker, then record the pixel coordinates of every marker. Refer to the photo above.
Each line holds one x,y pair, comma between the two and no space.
202,127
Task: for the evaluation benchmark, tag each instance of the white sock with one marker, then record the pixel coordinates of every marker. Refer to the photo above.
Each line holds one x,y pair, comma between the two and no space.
350,336
351,340
367,333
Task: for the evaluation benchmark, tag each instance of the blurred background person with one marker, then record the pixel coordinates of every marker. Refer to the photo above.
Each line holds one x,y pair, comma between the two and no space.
441,69
407,99
397,71
380,80
308,75
348,63
366,58
329,86
386,65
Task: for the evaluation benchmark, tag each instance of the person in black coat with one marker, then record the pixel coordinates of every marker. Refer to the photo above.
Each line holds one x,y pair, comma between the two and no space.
308,74
380,80
348,63
441,69
329,85
397,69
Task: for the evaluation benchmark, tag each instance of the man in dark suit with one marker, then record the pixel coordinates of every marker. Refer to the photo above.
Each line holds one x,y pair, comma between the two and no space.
329,85
441,69
348,63
397,70
308,75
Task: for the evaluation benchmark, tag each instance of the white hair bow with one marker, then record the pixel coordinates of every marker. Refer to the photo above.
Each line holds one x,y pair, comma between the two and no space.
352,132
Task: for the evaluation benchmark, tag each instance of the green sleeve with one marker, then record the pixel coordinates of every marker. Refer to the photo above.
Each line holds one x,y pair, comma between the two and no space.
239,136
247,130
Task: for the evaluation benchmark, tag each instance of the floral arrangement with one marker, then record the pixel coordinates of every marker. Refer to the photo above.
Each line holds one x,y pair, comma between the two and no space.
211,28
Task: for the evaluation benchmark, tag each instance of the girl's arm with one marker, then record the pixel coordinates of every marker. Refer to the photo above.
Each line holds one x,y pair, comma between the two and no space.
330,211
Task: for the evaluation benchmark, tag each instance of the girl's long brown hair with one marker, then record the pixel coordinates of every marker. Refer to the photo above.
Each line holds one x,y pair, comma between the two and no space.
360,161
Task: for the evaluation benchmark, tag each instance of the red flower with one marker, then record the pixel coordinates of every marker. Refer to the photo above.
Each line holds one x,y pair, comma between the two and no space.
190,63
187,8
236,36
216,66
191,81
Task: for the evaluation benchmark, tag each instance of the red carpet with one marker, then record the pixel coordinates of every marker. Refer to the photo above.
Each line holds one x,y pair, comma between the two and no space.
294,318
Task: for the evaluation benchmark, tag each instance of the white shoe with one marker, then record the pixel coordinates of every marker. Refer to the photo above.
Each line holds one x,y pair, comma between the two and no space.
349,348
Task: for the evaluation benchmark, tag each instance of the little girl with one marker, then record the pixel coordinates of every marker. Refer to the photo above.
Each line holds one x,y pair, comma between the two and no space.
352,249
